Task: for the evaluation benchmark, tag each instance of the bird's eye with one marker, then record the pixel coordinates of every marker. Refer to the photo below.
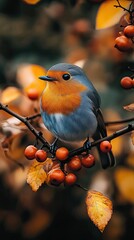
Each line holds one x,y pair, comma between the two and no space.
66,76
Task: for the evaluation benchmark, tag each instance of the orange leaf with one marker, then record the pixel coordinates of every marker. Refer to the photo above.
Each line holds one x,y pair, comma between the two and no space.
34,72
32,2
108,15
124,179
99,209
130,159
36,175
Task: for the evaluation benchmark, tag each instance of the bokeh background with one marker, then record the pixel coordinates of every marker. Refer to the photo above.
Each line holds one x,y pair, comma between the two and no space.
45,34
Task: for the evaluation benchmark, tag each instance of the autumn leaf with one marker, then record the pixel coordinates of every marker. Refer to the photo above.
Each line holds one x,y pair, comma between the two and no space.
34,72
108,15
99,208
129,107
124,179
32,2
9,95
36,175
130,160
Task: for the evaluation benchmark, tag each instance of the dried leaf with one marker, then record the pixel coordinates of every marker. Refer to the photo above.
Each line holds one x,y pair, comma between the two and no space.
99,209
129,107
32,2
124,179
108,15
36,175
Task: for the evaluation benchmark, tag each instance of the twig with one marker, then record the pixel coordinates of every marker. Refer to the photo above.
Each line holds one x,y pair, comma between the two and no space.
74,152
36,133
33,116
116,134
120,6
83,188
119,122
130,11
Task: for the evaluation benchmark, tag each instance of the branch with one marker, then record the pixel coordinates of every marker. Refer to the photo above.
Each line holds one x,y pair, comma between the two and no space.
120,6
116,134
119,122
130,10
36,133
33,116
39,135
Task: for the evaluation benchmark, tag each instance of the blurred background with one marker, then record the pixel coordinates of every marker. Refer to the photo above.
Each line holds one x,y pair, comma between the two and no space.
32,39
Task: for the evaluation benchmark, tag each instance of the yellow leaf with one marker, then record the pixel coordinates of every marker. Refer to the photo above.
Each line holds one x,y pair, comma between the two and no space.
36,175
32,2
108,15
99,209
124,179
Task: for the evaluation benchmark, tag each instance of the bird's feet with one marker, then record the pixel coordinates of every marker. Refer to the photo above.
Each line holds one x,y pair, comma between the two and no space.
87,145
53,146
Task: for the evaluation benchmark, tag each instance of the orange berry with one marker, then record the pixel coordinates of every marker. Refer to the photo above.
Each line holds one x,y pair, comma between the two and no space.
62,153
41,155
56,177
70,179
126,82
122,43
74,164
129,31
88,160
105,146
33,94
30,152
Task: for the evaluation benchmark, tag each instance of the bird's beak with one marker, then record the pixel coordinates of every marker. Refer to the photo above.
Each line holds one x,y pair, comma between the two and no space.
47,78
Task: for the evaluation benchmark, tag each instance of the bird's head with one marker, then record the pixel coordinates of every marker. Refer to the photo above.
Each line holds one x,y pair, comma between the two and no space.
66,77
66,85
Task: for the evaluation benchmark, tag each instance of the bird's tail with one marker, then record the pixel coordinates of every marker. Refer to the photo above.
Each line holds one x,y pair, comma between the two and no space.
107,159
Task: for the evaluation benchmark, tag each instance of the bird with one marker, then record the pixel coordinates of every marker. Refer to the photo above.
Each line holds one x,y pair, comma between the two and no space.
70,108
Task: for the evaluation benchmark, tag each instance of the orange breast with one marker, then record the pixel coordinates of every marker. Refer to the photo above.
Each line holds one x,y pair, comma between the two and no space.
61,97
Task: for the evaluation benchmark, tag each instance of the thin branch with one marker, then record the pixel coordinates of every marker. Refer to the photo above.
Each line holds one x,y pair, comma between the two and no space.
120,6
74,152
116,134
130,11
33,116
83,188
36,133
119,122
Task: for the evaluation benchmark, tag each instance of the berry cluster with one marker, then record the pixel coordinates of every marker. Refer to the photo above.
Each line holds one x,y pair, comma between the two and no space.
67,169
127,82
124,42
